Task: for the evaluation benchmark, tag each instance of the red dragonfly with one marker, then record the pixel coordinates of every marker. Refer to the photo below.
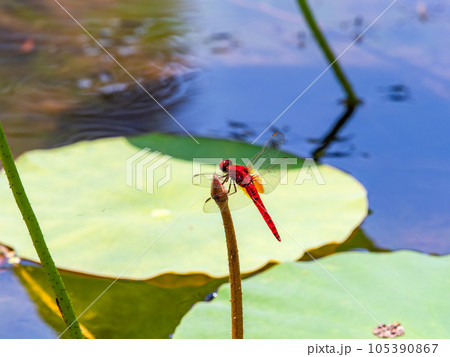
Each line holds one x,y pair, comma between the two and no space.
245,183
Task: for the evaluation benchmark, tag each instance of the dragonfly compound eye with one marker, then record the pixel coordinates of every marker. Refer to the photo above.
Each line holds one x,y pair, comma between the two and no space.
224,165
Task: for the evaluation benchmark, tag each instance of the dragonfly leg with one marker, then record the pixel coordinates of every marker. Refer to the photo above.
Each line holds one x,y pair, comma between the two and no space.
229,189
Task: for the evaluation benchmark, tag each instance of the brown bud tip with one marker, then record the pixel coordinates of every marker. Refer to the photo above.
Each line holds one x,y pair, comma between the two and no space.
218,191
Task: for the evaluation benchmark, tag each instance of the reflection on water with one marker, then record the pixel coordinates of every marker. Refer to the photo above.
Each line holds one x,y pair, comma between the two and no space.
332,136
19,316
59,86
124,112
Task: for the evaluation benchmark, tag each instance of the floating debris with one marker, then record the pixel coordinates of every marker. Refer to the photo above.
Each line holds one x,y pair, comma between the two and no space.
126,50
140,31
91,51
422,11
354,27
106,32
129,39
115,22
301,39
399,93
84,83
113,88
211,296
105,42
391,331
27,46
222,42
358,21
8,257
105,77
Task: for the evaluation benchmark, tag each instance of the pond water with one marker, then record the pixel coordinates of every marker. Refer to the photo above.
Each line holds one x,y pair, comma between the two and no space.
229,69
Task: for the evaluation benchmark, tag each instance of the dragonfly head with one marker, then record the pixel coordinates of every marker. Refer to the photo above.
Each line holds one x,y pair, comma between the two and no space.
224,165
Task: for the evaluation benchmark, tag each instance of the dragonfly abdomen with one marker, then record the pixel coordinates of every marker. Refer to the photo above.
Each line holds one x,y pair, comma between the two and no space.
253,193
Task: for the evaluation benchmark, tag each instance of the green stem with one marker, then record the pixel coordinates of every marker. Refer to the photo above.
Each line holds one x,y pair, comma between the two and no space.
62,297
352,100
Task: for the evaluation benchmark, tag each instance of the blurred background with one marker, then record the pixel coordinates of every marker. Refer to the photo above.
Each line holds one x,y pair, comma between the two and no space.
228,69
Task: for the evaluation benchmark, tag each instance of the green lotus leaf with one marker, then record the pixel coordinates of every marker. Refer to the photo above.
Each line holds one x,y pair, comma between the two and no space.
124,309
95,223
344,295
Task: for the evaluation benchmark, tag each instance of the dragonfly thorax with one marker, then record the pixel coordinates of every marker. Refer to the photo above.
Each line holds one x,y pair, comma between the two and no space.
240,175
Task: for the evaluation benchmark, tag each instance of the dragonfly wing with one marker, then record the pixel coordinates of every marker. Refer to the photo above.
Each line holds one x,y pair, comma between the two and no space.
269,150
236,200
210,206
266,180
265,165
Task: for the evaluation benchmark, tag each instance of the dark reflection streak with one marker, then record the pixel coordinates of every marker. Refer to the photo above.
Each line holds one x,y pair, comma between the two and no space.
331,136
124,113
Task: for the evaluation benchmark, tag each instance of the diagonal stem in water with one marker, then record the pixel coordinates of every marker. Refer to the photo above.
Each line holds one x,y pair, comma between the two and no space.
352,100
62,297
